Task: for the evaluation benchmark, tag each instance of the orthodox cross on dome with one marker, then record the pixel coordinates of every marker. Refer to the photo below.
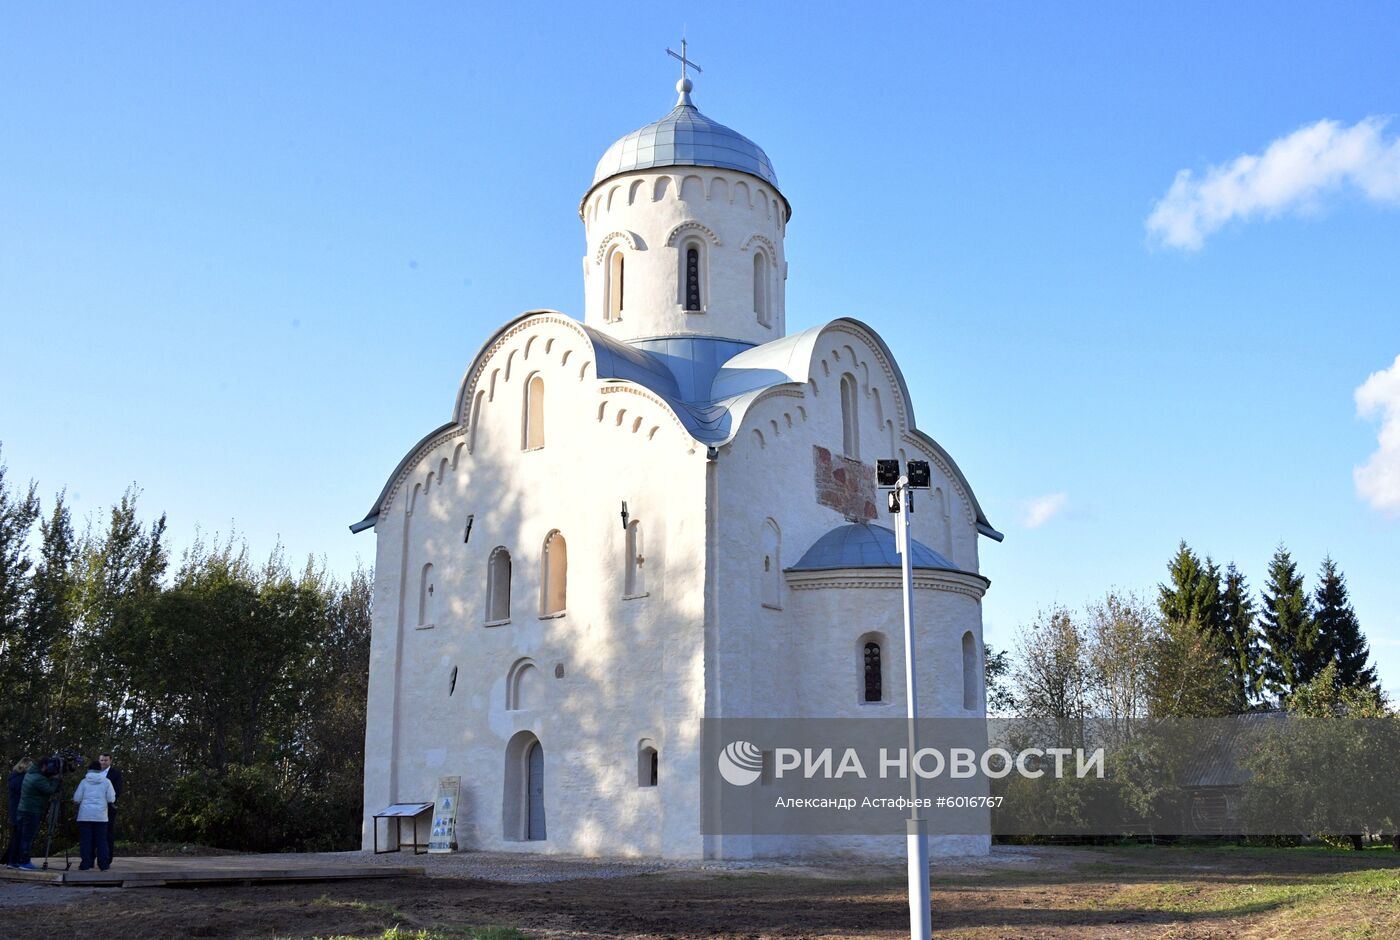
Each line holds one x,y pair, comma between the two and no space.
684,61
684,85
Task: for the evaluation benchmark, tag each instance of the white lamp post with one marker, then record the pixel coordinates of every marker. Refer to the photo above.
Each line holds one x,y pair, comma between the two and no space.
901,503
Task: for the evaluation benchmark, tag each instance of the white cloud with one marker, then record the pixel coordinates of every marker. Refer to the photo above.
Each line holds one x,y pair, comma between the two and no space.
1042,510
1378,479
1291,174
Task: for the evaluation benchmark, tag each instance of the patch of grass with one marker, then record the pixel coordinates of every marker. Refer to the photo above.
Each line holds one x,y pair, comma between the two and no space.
400,932
1256,851
354,904
1375,891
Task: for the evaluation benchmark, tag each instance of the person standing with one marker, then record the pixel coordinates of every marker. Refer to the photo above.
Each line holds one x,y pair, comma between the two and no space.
94,796
114,776
16,786
39,786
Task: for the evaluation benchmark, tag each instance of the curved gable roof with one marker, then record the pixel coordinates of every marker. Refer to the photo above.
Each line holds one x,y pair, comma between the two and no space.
706,383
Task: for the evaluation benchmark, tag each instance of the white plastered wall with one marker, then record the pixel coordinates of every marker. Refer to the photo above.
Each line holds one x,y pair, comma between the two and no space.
633,668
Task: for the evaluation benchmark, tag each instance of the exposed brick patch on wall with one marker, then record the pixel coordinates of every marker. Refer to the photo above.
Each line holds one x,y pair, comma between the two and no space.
846,485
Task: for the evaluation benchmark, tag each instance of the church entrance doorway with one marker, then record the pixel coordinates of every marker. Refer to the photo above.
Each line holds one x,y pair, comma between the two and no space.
535,828
523,810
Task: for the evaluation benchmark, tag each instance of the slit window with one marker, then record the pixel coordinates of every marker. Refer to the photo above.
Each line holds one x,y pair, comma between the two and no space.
760,288
617,280
874,687
850,423
692,278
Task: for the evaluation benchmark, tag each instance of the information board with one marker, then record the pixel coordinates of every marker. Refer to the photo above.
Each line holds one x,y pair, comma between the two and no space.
444,835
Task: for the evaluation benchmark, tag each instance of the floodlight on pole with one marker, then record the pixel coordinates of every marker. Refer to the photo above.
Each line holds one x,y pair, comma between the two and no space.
916,831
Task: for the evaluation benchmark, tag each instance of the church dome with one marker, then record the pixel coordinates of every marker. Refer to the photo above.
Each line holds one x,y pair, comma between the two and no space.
860,545
685,137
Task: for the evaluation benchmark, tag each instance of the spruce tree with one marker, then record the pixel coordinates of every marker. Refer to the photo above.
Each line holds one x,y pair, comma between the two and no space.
1241,636
1287,623
1193,592
1340,639
1192,674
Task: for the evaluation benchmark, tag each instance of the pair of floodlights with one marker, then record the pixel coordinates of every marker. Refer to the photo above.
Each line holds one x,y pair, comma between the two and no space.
916,477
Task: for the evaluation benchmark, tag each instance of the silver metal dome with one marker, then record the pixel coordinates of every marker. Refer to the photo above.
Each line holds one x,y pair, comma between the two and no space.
685,137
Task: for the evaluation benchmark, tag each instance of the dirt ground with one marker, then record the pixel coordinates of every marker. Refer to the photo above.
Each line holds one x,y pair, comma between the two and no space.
1184,894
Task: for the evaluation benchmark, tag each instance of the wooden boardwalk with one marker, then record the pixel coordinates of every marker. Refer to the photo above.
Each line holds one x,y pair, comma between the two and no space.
157,871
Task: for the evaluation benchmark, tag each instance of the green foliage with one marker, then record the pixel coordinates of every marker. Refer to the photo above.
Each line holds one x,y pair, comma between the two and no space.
17,514
240,806
996,668
232,695
1332,766
1188,674
1054,676
1122,630
1326,696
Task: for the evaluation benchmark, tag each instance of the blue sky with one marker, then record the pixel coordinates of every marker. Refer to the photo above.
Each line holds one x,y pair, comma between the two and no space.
247,251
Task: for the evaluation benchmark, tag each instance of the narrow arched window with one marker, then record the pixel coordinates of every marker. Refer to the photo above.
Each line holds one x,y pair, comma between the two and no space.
648,764
771,547
850,427
425,597
692,277
969,671
498,586
555,575
634,580
874,688
616,284
533,436
760,288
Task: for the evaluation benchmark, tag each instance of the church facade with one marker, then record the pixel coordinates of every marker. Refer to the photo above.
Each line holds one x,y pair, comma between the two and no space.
664,513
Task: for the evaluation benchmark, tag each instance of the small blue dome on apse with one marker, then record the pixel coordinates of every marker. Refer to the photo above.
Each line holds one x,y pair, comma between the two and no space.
860,545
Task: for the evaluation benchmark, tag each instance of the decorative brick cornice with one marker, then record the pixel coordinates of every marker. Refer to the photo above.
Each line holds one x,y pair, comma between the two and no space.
684,227
762,239
609,239
643,393
956,582
411,466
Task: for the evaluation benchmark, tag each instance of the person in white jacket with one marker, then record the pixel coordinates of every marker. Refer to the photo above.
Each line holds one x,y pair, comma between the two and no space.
93,796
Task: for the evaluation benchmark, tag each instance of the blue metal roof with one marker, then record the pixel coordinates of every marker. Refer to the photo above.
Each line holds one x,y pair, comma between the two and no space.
685,137
860,545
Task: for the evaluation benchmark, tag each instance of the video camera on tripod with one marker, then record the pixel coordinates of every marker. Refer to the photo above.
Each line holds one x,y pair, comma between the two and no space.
59,764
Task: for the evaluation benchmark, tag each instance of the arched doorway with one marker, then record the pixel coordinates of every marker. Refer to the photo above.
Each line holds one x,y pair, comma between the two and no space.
523,810
535,788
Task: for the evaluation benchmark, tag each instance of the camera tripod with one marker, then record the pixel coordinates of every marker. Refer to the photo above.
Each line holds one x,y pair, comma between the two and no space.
55,816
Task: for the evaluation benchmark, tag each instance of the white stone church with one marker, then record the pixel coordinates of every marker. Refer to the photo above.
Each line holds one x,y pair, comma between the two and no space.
663,513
